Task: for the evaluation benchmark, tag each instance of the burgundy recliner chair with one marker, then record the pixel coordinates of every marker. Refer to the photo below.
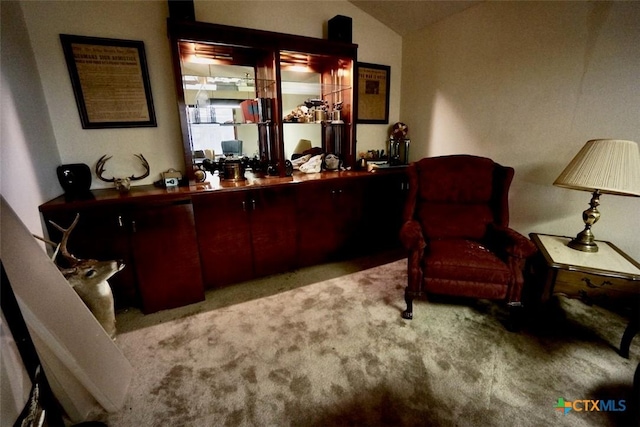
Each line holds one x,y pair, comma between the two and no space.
456,231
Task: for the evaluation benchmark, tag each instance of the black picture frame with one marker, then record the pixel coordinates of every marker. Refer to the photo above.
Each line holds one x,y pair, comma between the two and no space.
374,82
110,81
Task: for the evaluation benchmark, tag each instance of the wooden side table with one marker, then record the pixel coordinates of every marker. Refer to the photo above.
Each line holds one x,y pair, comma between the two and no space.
601,278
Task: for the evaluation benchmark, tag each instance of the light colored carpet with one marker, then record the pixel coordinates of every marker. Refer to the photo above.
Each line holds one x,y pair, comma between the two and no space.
337,353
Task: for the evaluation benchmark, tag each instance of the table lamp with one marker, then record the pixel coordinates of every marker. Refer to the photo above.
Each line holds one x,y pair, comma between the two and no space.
602,166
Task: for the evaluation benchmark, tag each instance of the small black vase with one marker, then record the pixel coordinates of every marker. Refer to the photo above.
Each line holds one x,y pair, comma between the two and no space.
75,180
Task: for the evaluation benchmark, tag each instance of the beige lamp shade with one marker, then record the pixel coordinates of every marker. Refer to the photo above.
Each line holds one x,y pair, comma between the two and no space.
608,165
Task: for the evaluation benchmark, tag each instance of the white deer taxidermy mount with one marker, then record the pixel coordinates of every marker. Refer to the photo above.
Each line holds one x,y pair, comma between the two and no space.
121,184
88,277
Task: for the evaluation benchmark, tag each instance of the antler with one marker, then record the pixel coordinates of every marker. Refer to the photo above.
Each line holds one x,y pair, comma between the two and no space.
146,166
102,160
73,261
49,242
100,168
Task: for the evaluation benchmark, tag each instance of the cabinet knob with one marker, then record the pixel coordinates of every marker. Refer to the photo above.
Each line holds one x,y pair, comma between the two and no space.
253,204
120,224
244,206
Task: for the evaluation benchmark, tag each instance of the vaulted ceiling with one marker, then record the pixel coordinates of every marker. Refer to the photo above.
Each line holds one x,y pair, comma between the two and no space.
407,16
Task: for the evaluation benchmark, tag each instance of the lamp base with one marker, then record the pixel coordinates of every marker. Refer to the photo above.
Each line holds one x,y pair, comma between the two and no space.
580,243
585,240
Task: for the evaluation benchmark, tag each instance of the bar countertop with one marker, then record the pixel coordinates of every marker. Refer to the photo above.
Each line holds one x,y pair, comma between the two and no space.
152,193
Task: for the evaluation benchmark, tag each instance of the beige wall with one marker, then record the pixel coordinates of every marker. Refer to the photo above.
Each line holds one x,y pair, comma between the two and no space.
135,20
527,84
146,21
28,151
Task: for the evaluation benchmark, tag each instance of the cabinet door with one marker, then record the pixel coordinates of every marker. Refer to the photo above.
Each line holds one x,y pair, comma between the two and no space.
102,234
329,215
317,236
224,237
385,196
348,209
273,230
166,254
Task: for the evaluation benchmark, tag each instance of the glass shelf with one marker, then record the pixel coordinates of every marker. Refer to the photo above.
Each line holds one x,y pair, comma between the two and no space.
228,124
226,84
312,89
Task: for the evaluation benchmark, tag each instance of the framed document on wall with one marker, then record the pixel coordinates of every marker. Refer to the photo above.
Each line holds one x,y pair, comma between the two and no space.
110,82
373,93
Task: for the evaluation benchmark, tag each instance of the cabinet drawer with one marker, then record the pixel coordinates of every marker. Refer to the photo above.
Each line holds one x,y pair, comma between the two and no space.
592,286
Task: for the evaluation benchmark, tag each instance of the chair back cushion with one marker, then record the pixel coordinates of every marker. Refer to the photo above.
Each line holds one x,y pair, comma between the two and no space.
458,195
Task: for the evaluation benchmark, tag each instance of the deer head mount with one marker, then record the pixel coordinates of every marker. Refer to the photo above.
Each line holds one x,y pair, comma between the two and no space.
121,184
88,277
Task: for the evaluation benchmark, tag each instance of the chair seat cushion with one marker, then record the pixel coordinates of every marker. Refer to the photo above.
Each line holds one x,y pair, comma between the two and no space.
466,268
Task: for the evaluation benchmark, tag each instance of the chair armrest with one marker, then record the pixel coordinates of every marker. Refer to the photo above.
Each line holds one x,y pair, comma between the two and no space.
513,243
411,236
515,248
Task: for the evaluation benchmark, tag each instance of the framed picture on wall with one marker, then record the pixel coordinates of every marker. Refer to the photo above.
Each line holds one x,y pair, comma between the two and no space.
373,93
110,82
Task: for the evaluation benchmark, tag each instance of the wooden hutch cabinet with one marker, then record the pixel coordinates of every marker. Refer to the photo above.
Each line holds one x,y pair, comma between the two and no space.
250,87
218,65
177,243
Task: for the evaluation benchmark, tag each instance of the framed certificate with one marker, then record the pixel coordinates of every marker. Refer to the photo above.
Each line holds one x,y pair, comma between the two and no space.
110,82
373,93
